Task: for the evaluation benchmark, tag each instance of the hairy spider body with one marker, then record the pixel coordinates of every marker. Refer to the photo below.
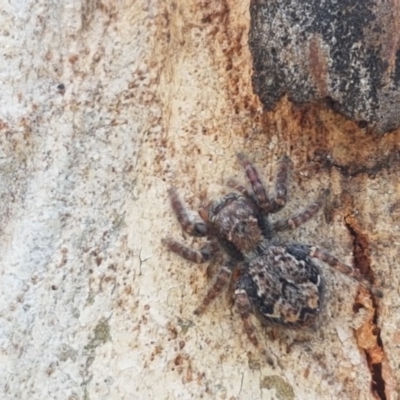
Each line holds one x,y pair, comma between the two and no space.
289,292
279,282
283,283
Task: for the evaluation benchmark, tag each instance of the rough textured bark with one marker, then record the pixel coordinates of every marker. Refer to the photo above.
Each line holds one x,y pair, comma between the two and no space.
104,106
342,52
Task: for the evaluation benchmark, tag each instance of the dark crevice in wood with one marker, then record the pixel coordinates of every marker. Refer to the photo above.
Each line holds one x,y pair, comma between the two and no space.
369,332
387,162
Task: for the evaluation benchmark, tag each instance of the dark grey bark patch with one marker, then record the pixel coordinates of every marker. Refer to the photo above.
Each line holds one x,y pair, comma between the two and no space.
344,52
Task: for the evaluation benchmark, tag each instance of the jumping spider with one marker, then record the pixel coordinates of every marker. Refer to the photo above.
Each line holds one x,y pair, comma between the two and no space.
278,281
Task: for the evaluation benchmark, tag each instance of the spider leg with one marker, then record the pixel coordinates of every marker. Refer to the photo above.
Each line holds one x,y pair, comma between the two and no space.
282,175
256,184
221,280
324,256
240,188
202,255
244,306
303,216
189,225
333,262
344,269
265,203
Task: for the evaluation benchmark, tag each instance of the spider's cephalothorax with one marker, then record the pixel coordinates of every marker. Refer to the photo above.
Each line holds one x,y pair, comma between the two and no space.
235,221
279,281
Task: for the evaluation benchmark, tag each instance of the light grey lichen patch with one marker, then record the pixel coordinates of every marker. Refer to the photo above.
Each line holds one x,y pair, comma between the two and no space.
118,221
185,325
101,335
254,363
283,389
66,352
90,299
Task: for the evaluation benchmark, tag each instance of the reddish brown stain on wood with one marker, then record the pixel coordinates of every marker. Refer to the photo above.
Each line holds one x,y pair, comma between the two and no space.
318,65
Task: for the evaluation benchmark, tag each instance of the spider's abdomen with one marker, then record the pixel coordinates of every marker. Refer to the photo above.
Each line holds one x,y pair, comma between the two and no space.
285,286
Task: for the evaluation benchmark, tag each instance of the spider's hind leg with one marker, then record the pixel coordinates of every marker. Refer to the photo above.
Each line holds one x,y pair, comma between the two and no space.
335,263
344,269
324,256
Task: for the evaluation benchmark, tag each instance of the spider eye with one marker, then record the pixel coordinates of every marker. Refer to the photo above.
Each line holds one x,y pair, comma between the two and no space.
240,227
199,229
228,199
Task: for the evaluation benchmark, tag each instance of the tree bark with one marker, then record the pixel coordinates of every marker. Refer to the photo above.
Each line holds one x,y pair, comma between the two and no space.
105,105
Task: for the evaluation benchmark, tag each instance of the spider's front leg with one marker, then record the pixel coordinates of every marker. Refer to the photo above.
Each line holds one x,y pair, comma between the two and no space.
265,203
258,188
190,225
222,279
281,184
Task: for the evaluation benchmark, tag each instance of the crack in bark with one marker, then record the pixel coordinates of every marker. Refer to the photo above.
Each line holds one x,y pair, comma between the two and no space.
368,334
386,162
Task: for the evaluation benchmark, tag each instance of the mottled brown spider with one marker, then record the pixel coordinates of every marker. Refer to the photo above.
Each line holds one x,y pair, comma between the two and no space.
279,281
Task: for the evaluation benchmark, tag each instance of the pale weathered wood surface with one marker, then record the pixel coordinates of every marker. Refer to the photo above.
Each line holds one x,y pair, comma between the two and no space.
104,106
